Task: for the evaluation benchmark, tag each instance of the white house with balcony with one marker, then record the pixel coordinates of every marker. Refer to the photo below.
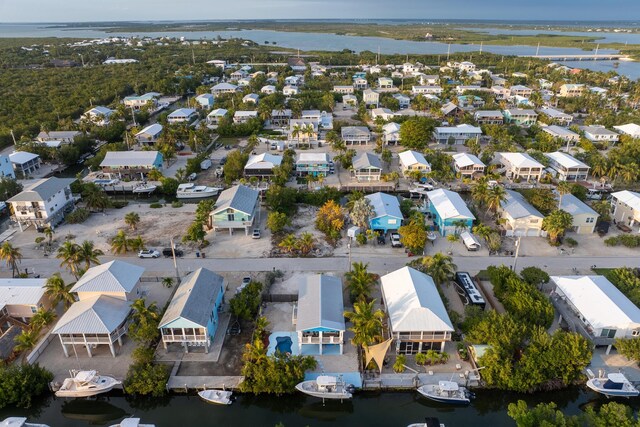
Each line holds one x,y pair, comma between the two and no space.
631,129
403,100
567,167
391,133
519,166
520,218
596,133
236,208
182,115
116,279
319,315
426,90
555,117
215,116
99,116
24,163
43,203
371,98
355,135
562,133
366,167
626,207
21,298
467,164
412,161
458,134
417,318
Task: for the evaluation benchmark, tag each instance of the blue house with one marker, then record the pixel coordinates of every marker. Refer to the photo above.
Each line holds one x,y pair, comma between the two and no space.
205,100
448,209
387,215
191,318
320,315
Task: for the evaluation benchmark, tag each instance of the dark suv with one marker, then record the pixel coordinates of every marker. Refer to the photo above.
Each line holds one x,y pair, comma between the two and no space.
167,252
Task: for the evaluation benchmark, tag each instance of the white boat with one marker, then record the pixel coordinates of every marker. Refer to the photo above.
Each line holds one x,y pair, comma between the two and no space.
613,385
132,422
446,392
428,422
144,188
220,397
192,191
86,383
326,387
19,422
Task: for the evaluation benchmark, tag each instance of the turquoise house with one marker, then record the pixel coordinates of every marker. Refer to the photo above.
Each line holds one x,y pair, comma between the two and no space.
387,214
448,211
191,318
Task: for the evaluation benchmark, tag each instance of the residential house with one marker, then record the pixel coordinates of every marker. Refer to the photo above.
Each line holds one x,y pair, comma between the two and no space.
191,318
360,83
429,80
296,80
302,132
261,165
290,90
631,129
626,207
355,135
236,208
43,203
222,88
280,118
552,116
24,163
297,64
6,168
470,102
520,101
251,98
386,212
319,315
426,90
520,218
138,102
519,166
131,164
345,90
403,100
366,167
182,115
268,89
385,83
521,90
371,98
417,317
21,298
238,75
205,101
465,66
500,92
571,90
449,211
584,218
117,279
520,117
411,161
150,134
314,164
561,133
567,167
596,133
97,115
243,116
322,119
350,100
451,110
468,165
456,134
391,133
215,116
382,113
462,89
603,312
489,117
498,80
68,136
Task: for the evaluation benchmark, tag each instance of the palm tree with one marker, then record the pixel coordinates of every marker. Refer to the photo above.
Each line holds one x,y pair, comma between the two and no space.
132,219
136,244
68,253
58,291
305,243
495,197
460,225
120,243
360,281
167,282
48,232
353,198
563,188
11,257
95,198
480,191
42,318
556,223
482,230
367,323
440,267
88,254
25,342
288,244
628,172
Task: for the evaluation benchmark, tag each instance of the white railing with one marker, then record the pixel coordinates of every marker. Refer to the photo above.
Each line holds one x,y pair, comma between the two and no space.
324,340
182,338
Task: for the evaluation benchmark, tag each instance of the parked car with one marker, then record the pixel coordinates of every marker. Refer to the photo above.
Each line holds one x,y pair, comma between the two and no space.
148,253
244,284
395,240
234,328
256,233
168,253
223,161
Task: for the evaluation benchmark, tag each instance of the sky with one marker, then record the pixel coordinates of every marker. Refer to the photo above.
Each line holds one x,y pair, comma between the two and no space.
147,10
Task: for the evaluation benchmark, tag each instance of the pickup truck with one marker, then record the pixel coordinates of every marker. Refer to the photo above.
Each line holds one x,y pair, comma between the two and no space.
395,240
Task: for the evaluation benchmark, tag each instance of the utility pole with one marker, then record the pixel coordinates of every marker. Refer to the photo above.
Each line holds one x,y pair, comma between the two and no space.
13,137
133,115
175,262
515,260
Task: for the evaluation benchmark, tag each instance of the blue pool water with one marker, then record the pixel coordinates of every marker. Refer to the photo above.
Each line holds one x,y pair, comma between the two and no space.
284,344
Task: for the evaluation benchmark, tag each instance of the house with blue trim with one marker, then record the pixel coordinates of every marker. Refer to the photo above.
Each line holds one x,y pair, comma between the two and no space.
447,209
319,316
191,319
387,215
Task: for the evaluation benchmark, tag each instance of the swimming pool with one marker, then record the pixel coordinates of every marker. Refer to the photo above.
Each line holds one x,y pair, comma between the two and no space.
283,345
284,342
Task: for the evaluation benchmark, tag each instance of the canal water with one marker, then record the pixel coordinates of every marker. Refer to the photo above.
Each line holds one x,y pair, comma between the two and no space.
366,409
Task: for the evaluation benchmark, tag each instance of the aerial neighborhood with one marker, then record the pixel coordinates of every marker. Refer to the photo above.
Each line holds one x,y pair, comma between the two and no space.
372,224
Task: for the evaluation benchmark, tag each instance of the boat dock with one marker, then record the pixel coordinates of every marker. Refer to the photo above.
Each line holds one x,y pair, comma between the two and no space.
184,384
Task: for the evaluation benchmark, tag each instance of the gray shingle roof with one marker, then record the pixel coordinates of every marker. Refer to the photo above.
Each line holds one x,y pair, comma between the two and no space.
42,190
114,276
239,197
195,298
366,160
96,315
320,303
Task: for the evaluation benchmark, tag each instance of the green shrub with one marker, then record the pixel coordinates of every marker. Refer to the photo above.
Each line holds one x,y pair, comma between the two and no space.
245,304
628,240
20,384
155,205
177,204
119,204
398,366
146,379
78,216
361,239
571,242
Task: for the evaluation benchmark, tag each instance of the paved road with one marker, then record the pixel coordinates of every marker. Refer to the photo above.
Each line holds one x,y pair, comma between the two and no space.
562,264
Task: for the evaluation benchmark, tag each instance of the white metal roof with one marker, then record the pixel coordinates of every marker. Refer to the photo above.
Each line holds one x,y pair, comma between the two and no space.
413,302
565,160
313,158
385,205
575,206
553,113
629,129
449,204
463,128
597,130
466,159
153,129
560,131
320,303
630,198
182,112
263,161
22,157
516,206
599,301
218,112
521,160
21,291
114,276
410,157
129,158
101,314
